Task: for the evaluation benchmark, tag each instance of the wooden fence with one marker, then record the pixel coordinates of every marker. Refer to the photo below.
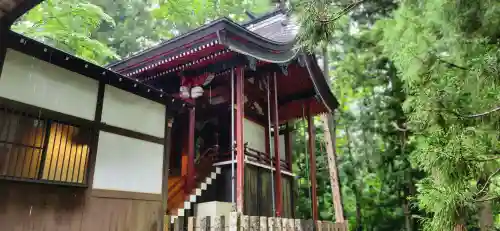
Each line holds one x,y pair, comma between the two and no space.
237,222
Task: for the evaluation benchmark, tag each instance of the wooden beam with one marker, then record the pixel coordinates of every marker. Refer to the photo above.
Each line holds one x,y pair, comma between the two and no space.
240,151
191,150
288,146
3,43
289,159
312,159
277,165
255,93
166,166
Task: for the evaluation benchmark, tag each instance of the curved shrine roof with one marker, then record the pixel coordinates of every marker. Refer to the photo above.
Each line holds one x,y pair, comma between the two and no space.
269,39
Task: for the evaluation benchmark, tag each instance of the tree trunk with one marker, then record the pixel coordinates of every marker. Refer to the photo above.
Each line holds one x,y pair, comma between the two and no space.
460,223
330,136
485,211
460,227
407,212
486,216
357,197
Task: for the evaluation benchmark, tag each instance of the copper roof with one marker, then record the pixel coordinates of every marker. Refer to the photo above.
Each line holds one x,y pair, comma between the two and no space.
279,27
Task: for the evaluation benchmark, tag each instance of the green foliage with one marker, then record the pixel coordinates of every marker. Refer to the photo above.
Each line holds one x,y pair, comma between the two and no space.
68,25
106,31
184,15
437,60
449,62
418,82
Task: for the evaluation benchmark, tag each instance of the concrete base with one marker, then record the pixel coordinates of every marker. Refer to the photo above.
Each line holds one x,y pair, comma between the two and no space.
213,209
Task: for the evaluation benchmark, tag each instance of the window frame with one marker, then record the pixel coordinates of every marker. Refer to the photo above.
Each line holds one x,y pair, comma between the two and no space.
50,117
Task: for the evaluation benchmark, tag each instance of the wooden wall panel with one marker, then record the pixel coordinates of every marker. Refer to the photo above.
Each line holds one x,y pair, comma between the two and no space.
104,214
38,207
33,207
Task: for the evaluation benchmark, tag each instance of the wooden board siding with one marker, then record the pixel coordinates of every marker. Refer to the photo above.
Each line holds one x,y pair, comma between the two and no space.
258,189
287,195
40,207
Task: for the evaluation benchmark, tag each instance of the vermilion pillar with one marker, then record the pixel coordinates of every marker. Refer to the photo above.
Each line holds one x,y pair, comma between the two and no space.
191,152
240,152
277,176
312,159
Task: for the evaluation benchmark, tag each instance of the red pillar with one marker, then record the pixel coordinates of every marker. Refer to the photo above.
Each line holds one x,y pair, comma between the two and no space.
312,160
191,152
277,160
240,155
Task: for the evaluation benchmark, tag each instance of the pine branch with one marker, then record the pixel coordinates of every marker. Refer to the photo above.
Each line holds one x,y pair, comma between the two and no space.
344,11
341,13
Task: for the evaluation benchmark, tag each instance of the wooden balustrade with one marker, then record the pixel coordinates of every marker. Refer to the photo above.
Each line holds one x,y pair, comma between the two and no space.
237,222
253,155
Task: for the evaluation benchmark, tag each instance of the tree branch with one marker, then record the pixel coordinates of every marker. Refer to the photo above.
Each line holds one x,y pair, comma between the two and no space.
486,183
482,114
397,127
485,160
488,199
450,64
341,13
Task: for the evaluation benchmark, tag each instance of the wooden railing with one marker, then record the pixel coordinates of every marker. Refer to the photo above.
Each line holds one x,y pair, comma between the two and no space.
236,222
252,155
264,158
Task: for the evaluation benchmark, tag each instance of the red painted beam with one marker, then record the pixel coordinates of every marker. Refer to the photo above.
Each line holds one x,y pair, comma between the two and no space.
277,165
240,154
191,151
312,160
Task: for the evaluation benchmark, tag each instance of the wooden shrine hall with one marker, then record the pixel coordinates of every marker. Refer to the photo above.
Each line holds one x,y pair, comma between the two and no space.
241,83
205,120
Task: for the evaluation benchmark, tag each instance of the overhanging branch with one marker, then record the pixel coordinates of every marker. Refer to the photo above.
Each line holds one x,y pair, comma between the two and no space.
488,180
482,114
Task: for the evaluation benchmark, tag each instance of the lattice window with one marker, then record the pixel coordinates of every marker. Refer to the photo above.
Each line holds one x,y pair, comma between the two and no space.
39,149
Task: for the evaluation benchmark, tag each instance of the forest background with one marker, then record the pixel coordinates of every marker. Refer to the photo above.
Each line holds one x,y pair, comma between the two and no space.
418,132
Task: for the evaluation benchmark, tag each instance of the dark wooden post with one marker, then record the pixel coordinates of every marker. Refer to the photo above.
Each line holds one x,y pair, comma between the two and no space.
288,147
289,156
312,159
240,154
268,147
3,43
166,166
191,150
277,159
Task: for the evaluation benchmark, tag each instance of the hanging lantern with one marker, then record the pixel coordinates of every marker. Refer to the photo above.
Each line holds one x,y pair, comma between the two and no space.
196,92
184,92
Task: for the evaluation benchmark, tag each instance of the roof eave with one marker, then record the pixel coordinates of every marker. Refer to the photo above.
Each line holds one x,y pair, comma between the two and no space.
320,83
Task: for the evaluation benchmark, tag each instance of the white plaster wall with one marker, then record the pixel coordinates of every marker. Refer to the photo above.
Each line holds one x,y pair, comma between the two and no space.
129,111
282,147
32,81
255,135
128,164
